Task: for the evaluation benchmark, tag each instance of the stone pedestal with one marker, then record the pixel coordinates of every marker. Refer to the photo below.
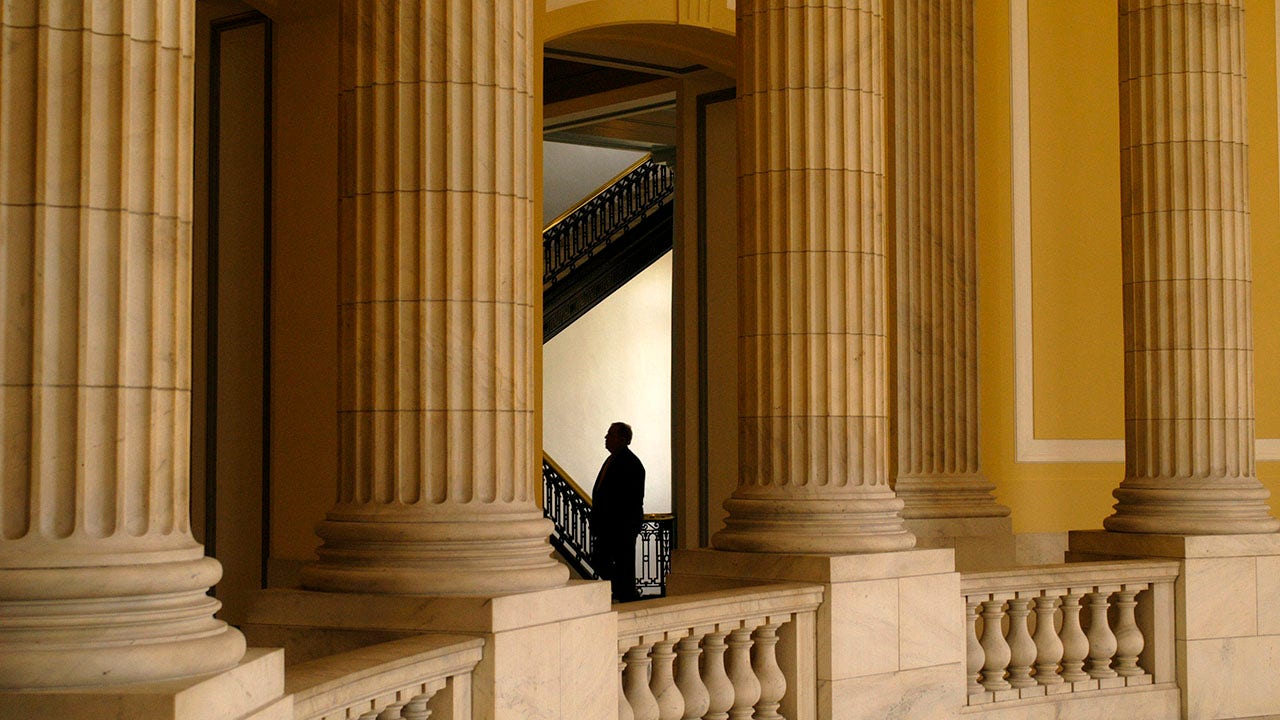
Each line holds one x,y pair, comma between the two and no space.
436,305
947,501
1189,420
890,631
813,418
548,654
980,543
1227,600
101,581
252,690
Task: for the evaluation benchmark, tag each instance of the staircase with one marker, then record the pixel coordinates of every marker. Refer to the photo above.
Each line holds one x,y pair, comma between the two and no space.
589,252
601,243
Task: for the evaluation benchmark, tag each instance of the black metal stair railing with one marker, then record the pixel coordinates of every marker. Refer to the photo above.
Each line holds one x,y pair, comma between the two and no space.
569,509
589,227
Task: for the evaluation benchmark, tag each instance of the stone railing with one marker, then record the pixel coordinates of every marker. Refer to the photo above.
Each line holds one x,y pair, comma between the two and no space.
745,653
1078,627
409,679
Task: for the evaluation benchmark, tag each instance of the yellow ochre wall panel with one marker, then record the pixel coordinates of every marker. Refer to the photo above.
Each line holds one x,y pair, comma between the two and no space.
1264,202
1075,220
1077,322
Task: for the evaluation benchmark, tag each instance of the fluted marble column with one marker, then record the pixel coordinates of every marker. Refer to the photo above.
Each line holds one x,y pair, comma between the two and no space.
813,430
1189,424
436,304
938,475
101,581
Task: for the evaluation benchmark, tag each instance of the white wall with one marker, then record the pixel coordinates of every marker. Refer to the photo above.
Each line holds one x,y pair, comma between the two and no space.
614,364
571,172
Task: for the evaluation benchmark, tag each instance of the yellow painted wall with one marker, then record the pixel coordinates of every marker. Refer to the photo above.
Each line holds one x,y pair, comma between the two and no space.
1075,240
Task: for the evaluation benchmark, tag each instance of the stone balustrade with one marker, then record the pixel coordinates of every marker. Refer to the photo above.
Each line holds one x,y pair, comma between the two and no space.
427,676
1078,627
746,653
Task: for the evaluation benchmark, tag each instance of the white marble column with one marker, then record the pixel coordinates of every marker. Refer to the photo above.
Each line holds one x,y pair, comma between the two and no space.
938,474
101,581
436,302
1189,423
813,426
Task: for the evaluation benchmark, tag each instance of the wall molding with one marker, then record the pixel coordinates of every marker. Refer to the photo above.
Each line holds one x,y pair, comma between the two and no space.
1028,447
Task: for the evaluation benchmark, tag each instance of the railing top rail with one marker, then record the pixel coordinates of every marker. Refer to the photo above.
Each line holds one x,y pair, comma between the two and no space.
336,681
565,476
1068,575
717,606
659,516
597,192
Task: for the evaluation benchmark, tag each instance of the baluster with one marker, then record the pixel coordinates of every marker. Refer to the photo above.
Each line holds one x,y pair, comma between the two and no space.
719,688
624,705
416,709
994,648
1102,642
764,660
1048,645
635,682
974,657
1075,646
662,682
1022,649
391,712
369,715
746,687
696,698
1129,641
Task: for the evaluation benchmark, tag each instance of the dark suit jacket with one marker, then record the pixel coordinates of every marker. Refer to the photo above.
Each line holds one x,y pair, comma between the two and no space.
617,500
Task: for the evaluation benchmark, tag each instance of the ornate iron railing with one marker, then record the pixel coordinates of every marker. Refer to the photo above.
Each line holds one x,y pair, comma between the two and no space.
654,561
569,509
589,227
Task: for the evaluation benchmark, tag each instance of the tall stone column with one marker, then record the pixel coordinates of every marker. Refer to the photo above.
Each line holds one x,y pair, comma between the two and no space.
813,426
938,476
436,304
1189,425
101,581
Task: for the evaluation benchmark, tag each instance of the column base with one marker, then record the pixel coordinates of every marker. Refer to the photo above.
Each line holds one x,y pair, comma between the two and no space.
947,496
252,690
829,526
1227,602
554,648
1217,506
980,543
111,625
891,624
420,554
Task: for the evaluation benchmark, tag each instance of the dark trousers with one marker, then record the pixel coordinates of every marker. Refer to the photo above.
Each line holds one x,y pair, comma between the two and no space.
614,557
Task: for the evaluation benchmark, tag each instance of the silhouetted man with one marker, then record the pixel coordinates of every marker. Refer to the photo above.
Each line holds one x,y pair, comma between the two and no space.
617,511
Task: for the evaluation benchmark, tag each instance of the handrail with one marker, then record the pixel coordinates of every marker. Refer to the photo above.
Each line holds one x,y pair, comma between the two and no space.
708,608
386,677
604,217
596,193
1068,574
565,476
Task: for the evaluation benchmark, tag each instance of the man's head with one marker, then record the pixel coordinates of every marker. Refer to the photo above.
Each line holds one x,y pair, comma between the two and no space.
618,437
